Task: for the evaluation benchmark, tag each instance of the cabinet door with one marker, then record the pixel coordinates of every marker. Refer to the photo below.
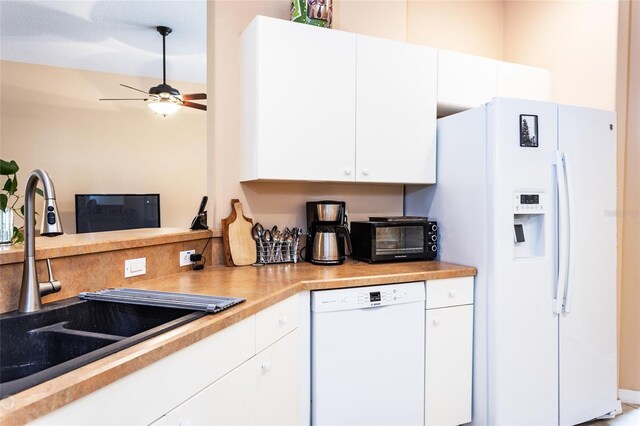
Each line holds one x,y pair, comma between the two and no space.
464,81
396,96
520,81
449,348
228,401
304,85
277,401
145,395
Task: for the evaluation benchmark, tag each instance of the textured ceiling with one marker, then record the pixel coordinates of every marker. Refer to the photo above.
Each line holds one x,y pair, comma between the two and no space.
113,36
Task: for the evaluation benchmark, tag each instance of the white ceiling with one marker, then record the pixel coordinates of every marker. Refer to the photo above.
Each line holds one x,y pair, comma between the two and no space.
116,36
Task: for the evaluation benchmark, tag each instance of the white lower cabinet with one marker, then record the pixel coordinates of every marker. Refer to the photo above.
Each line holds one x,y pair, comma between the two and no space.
256,372
262,391
449,351
277,367
448,365
220,380
147,394
225,402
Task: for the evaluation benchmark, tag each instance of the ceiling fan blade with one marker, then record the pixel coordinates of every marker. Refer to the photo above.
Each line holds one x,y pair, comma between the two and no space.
122,99
133,88
194,96
194,105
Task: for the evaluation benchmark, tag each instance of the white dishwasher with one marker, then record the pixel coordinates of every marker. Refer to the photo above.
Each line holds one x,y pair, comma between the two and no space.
367,355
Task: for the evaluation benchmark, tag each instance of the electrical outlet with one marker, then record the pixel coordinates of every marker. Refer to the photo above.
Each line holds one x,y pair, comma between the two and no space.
185,257
135,267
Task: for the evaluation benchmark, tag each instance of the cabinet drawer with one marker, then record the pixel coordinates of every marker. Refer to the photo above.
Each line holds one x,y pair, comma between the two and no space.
449,292
276,321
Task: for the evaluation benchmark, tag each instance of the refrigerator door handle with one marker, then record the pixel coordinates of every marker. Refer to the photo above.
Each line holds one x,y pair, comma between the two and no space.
563,233
566,303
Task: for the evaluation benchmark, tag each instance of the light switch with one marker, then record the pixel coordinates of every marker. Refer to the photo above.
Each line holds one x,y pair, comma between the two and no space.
135,267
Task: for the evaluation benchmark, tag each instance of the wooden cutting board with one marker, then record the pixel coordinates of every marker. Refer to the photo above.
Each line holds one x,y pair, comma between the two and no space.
239,246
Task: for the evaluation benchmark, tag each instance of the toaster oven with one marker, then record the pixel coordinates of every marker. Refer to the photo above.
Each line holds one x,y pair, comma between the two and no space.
385,239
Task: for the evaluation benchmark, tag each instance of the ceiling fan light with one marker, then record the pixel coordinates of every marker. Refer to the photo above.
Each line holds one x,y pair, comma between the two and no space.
163,106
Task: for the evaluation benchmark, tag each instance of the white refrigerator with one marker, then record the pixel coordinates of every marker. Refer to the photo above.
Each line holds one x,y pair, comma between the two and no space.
526,193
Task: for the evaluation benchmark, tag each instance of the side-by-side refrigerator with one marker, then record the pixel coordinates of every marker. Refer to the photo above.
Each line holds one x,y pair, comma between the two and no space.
526,193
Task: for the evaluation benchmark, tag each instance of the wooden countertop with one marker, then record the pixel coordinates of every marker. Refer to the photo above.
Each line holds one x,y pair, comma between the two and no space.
260,286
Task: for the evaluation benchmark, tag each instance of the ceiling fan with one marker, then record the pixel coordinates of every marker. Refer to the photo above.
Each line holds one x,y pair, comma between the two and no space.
164,99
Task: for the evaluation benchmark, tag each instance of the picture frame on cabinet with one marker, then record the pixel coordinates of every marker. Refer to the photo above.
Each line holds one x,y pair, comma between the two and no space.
319,9
312,12
529,131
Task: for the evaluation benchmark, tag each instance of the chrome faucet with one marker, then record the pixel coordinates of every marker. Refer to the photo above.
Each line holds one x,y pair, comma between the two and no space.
31,290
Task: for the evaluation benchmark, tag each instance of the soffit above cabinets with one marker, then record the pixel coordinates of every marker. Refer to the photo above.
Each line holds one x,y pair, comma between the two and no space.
104,35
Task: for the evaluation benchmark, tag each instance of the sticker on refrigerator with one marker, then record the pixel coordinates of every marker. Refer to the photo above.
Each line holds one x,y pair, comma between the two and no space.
529,131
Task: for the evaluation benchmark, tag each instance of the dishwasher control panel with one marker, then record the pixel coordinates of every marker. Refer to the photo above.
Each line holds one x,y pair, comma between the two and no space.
367,297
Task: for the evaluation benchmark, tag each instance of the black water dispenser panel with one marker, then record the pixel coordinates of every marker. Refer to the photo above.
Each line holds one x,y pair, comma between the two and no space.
518,230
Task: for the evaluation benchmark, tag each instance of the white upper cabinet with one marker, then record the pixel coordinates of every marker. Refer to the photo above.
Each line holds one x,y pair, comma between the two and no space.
396,86
348,108
327,105
464,81
299,102
521,81
467,81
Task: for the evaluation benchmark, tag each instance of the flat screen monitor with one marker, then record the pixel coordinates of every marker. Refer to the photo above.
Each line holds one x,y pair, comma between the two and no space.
112,212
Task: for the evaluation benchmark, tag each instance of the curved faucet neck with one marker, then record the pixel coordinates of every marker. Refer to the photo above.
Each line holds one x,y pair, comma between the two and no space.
29,206
31,290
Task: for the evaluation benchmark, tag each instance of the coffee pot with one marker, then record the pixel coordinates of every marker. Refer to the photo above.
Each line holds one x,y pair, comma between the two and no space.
327,232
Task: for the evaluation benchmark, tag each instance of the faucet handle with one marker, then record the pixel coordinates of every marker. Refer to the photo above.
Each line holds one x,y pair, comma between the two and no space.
51,286
50,271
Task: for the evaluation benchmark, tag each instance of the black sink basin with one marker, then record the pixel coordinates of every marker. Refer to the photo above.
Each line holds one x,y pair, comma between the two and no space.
70,333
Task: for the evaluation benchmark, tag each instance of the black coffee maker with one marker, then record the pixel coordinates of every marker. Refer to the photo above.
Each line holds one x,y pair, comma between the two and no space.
326,232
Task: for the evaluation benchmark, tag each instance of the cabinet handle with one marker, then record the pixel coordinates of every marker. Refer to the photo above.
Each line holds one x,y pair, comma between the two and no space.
283,320
365,172
347,171
452,293
436,321
265,366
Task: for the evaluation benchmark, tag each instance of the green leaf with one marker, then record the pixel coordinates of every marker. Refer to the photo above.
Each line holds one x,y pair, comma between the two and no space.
8,167
11,185
39,192
22,210
7,185
17,236
3,202
14,185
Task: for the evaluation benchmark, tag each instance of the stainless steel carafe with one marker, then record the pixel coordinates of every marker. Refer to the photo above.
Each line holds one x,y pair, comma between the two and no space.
325,247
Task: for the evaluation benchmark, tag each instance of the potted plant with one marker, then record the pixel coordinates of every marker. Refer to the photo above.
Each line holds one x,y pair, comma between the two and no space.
10,204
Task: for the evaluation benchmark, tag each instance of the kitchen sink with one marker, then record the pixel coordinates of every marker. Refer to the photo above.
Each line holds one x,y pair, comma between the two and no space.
67,334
